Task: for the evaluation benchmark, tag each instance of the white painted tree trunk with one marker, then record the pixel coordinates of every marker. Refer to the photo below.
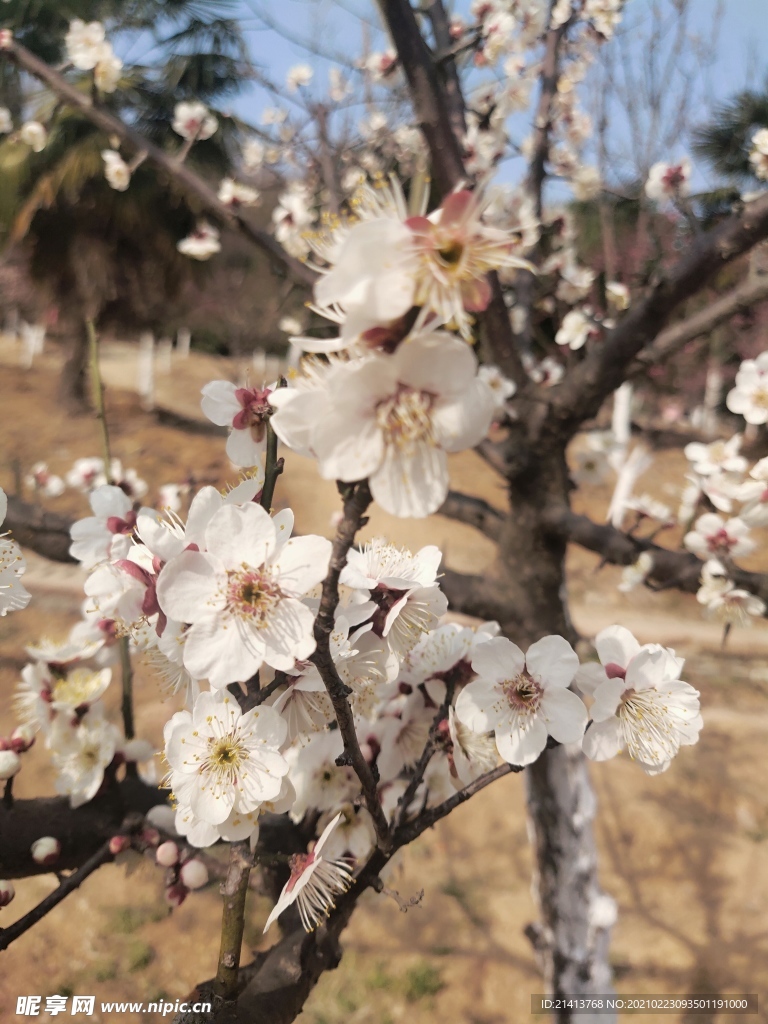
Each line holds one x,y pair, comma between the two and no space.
145,384
573,938
713,393
621,421
183,341
164,350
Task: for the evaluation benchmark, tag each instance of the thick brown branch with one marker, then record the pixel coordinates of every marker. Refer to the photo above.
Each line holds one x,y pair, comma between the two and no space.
582,393
474,512
36,528
671,569
357,498
740,300
446,66
175,169
550,73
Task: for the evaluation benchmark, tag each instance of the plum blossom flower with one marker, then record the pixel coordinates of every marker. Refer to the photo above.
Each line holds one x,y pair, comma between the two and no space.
194,121
34,135
299,76
523,698
668,181
404,599
714,537
106,74
717,457
317,780
501,387
13,595
232,193
749,397
758,156
754,493
640,702
314,884
106,534
224,762
242,594
42,480
116,170
392,419
245,411
472,753
577,327
723,600
636,573
202,243
80,763
84,43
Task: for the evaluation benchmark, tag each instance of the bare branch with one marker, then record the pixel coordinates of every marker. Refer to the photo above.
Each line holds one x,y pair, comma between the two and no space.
474,512
179,172
550,73
582,393
680,570
65,887
36,528
357,498
669,342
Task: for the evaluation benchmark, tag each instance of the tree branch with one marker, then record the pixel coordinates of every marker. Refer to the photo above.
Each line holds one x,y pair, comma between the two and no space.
357,498
36,528
582,393
177,171
65,887
474,512
671,569
740,300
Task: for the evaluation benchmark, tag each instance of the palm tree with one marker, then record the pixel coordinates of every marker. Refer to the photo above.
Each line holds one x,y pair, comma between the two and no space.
100,254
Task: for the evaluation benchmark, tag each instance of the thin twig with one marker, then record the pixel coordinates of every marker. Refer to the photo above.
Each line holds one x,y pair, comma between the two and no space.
234,890
66,886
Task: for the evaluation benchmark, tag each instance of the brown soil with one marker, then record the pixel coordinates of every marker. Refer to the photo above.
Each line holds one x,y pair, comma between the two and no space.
685,854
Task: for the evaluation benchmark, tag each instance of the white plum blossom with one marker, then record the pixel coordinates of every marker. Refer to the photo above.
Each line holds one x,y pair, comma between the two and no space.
749,397
501,387
224,763
404,599
106,534
232,193
299,76
193,121
245,411
577,327
242,596
42,480
668,181
523,698
714,537
116,170
392,419
80,763
202,243
85,43
317,780
754,494
723,600
639,702
758,156
472,753
314,884
717,457
636,573
106,74
13,594
34,135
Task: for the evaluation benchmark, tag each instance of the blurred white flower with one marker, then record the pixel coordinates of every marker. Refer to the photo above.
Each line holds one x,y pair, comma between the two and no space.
202,243
194,121
116,170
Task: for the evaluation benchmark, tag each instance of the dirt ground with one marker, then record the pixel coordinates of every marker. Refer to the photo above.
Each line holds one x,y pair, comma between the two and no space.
685,855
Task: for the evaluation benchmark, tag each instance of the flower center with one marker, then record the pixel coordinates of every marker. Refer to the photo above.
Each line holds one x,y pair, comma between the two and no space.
720,542
523,693
405,418
298,864
451,253
75,689
225,756
251,594
255,409
760,397
647,728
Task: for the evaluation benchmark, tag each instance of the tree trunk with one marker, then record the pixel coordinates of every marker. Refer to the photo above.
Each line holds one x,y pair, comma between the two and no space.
572,938
73,383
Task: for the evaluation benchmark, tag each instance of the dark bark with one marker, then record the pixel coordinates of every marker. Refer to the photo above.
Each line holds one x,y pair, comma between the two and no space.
37,528
73,382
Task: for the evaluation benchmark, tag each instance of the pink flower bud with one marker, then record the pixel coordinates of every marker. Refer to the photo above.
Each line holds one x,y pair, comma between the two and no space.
46,850
167,854
22,738
10,763
117,844
7,892
150,836
176,894
194,874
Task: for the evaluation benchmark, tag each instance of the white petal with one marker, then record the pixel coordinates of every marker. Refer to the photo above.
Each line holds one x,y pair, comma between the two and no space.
219,402
564,714
481,706
615,645
411,484
552,661
498,659
241,535
302,564
602,740
188,587
222,653
242,450
520,747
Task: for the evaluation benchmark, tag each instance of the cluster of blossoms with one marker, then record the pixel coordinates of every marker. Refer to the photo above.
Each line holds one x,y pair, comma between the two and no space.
89,50
758,156
13,594
669,181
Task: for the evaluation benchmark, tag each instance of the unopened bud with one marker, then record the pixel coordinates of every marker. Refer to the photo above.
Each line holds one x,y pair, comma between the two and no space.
118,844
194,874
10,763
22,738
7,892
176,894
46,850
167,854
150,836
